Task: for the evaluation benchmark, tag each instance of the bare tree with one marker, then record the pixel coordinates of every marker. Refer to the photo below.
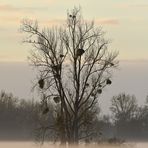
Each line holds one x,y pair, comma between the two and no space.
74,65
124,107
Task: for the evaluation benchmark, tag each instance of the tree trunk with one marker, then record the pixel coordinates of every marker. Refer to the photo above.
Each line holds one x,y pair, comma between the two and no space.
76,136
63,132
75,129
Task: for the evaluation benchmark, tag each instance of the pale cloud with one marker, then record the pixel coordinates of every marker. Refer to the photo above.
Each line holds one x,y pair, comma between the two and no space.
8,8
6,57
9,23
107,21
139,6
9,19
103,21
6,21
11,8
135,60
11,59
54,22
122,6
131,6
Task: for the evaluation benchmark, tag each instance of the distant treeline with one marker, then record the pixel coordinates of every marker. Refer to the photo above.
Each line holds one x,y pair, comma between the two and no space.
17,117
23,119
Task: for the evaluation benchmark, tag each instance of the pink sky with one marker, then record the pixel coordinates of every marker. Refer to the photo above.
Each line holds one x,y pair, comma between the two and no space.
125,22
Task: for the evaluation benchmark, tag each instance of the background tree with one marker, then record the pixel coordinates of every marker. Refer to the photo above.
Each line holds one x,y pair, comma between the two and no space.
74,66
8,105
124,109
141,121
14,122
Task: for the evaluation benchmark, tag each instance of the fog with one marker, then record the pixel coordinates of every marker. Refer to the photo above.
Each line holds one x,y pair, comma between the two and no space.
130,77
10,144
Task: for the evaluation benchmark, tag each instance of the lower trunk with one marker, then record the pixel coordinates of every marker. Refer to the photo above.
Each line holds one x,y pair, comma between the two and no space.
75,130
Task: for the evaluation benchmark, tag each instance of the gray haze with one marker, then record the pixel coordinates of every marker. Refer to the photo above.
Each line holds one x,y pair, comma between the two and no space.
131,77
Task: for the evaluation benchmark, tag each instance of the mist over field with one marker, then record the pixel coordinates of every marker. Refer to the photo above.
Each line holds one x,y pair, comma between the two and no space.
10,144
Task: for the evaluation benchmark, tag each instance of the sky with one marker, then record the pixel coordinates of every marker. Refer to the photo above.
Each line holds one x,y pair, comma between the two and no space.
124,21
